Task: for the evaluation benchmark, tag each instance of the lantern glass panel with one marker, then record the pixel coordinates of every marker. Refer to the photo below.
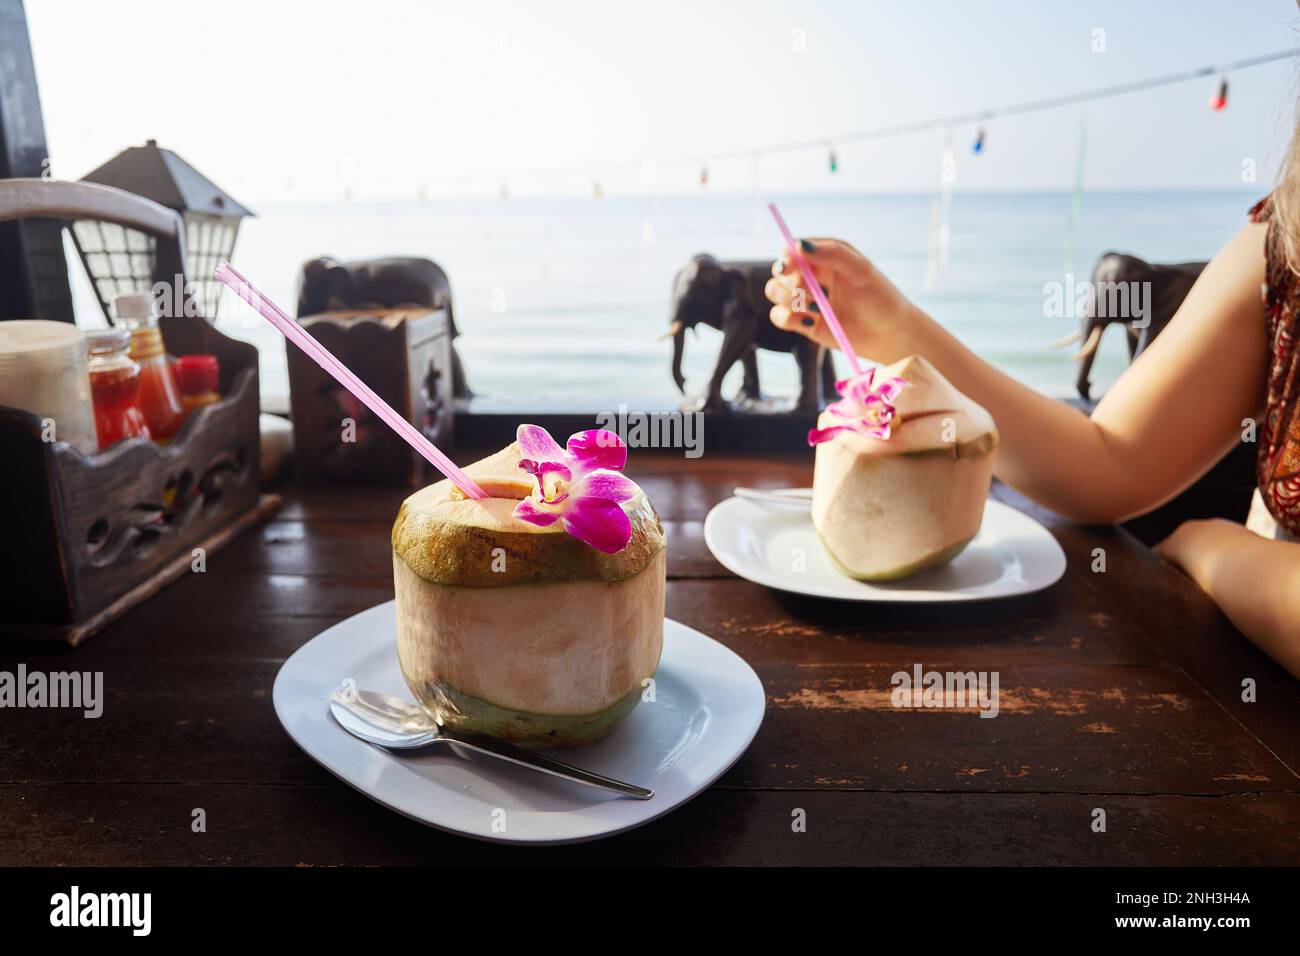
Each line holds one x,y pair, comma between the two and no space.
137,241
119,260
208,241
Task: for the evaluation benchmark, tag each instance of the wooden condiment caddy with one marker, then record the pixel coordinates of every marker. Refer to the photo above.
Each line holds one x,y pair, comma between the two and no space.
88,536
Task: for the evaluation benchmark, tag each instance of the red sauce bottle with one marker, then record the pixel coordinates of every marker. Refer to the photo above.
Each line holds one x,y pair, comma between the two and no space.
114,387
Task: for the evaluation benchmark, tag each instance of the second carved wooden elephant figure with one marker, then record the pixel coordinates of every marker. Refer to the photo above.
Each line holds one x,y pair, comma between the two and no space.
729,296
1142,296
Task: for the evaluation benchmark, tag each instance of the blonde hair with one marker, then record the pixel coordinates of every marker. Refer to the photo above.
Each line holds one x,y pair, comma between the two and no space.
1286,205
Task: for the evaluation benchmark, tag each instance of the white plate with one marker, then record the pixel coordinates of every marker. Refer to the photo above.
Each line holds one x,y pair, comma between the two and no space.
707,707
765,543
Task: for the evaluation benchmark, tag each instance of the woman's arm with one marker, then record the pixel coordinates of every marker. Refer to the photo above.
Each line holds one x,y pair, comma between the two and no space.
1255,581
1167,420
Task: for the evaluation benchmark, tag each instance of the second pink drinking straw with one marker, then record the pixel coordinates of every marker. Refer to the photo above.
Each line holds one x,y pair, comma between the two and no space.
300,337
815,288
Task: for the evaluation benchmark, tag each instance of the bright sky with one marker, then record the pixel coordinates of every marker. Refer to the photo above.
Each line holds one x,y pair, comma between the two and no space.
304,100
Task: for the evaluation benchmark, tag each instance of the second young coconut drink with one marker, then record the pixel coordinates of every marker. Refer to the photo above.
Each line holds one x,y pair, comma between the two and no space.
903,467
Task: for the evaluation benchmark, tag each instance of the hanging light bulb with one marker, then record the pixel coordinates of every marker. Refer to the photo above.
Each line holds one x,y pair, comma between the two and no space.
704,176
1220,98
978,146
597,192
832,162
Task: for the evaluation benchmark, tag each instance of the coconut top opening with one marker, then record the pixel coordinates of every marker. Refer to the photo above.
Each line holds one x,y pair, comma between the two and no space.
447,538
499,475
930,415
504,481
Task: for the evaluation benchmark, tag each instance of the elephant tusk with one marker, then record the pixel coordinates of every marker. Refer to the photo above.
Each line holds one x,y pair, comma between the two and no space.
1090,346
672,330
1068,340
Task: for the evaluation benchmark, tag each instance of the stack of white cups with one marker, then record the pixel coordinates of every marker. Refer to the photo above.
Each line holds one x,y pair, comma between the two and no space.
43,370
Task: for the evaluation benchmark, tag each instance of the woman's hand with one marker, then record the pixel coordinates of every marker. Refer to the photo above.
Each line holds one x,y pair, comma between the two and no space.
880,321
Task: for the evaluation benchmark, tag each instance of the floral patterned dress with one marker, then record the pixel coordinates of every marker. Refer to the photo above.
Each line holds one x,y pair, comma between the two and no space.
1277,466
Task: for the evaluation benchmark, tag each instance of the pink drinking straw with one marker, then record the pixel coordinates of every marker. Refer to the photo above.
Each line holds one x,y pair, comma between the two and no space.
815,287
300,337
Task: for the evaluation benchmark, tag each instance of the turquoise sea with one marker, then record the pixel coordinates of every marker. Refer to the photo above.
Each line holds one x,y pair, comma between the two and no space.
560,301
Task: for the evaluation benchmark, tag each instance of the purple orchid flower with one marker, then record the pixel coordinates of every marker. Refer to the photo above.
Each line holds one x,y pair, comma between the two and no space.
865,408
580,485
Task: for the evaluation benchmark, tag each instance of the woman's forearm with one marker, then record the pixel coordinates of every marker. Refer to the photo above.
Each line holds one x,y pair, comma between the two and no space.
1255,581
1174,412
1048,450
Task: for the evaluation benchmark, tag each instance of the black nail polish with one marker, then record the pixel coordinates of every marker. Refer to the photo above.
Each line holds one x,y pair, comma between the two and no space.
807,246
826,292
814,307
808,323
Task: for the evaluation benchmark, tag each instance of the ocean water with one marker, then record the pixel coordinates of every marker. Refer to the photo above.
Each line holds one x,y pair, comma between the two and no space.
560,301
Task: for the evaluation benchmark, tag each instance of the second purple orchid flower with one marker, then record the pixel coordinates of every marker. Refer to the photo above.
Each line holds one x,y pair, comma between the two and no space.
580,485
865,408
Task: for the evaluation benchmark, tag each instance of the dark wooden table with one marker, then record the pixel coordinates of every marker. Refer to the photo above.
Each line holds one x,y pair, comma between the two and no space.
1120,690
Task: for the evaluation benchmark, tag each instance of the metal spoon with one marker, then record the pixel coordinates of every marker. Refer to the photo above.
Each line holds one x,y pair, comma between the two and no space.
795,497
397,724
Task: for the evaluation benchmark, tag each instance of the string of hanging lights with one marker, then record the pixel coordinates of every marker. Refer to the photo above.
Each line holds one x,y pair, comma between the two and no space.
1220,98
979,118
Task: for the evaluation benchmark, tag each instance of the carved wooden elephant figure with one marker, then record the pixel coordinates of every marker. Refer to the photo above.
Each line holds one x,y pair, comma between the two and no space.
729,297
1123,287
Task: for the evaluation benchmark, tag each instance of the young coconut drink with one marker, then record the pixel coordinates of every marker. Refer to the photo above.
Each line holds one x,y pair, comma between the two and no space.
902,470
534,615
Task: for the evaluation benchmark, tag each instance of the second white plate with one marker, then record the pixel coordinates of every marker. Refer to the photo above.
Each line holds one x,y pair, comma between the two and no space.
777,546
